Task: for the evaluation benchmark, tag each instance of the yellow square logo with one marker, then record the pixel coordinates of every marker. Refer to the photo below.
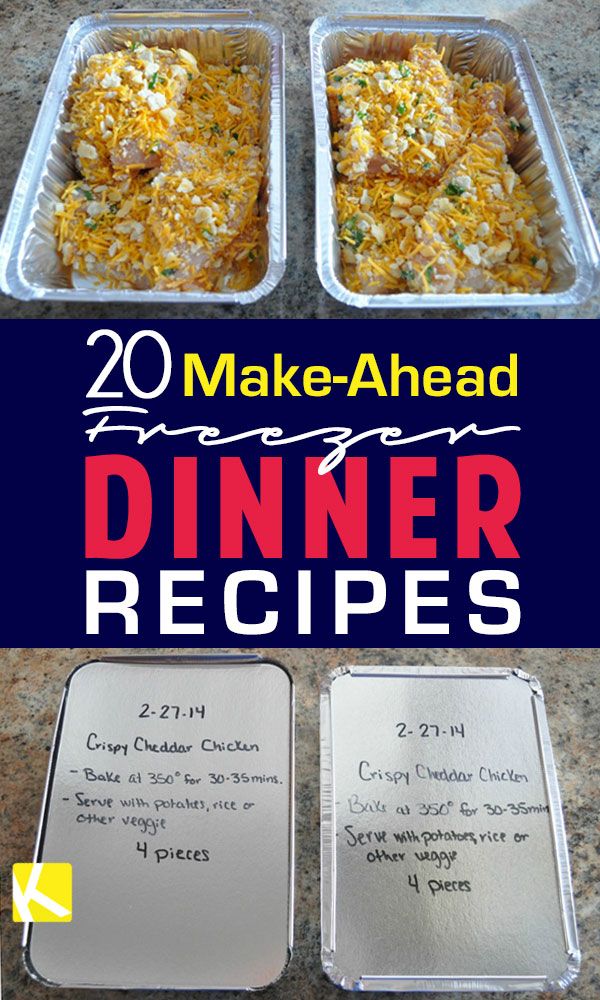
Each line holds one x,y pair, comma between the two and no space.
42,893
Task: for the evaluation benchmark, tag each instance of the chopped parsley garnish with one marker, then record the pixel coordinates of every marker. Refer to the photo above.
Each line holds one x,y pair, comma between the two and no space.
169,272
407,274
362,83
235,135
429,117
113,209
426,165
152,81
401,109
216,128
534,260
356,235
90,225
338,79
236,69
86,194
226,193
516,126
340,97
473,84
190,76
457,241
230,152
418,99
454,190
404,70
429,272
362,115
134,46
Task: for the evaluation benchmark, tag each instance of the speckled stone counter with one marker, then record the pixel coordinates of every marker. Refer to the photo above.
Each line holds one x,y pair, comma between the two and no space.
564,39
31,681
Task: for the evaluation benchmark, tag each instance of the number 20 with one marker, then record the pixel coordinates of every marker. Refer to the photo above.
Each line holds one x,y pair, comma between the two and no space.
125,351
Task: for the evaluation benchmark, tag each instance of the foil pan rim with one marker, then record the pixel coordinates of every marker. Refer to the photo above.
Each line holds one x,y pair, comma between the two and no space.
573,208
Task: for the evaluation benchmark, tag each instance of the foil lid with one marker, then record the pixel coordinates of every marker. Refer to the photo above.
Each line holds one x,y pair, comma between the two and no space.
170,793
443,850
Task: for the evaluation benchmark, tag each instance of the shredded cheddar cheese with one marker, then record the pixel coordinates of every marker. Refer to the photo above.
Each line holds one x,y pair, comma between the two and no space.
171,171
427,199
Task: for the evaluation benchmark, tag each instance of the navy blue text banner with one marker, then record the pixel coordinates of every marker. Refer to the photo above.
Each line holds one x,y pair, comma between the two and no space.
278,484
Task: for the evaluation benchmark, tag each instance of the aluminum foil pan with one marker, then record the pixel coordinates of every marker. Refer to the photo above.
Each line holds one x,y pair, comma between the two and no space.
491,50
30,266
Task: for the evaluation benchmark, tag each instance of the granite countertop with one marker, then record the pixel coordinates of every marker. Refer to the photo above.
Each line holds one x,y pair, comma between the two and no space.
564,39
31,682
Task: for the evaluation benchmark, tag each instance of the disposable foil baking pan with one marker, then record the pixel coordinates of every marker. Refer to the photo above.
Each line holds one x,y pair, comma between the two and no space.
444,862
170,793
30,266
489,49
